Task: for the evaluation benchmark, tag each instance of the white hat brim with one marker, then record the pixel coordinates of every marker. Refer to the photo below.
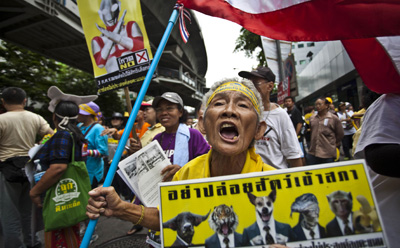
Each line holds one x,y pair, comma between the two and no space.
56,95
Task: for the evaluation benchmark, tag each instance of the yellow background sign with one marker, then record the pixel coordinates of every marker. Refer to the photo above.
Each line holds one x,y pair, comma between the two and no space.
89,13
201,196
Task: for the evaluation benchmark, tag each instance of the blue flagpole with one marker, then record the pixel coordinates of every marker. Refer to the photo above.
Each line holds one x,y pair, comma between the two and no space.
121,145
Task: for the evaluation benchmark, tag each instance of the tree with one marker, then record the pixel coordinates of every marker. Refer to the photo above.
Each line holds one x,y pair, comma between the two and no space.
82,83
27,70
35,74
249,43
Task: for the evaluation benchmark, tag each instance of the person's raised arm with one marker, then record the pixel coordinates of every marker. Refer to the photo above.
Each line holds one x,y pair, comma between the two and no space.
105,201
111,131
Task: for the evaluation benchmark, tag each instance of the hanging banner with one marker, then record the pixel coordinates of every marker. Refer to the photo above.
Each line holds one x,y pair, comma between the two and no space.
117,41
283,90
330,205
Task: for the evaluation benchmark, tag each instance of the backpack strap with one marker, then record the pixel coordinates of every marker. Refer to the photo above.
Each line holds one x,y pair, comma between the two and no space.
73,148
90,128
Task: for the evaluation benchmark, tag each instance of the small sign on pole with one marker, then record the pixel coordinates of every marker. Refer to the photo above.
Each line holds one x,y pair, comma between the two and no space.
117,41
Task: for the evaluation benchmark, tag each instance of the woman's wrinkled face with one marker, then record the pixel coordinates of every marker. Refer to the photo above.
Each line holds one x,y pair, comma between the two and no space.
230,122
168,114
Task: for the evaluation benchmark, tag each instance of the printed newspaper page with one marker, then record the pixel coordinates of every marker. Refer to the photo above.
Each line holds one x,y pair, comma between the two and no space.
142,172
330,205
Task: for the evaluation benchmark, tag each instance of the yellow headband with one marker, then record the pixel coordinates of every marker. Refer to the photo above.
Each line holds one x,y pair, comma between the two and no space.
236,86
88,109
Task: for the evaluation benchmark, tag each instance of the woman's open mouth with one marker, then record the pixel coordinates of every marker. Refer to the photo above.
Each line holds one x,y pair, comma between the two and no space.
228,132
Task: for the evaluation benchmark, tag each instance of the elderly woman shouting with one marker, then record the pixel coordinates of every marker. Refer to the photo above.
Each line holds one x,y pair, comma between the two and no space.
232,123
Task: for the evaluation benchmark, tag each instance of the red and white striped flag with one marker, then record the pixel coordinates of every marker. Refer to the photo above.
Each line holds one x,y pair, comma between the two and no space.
307,20
377,60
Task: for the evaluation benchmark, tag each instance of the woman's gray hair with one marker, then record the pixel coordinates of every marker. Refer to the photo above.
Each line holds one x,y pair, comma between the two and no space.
246,83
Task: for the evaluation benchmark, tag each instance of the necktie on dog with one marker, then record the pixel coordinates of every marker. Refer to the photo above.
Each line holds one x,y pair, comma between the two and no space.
312,234
268,237
347,230
226,242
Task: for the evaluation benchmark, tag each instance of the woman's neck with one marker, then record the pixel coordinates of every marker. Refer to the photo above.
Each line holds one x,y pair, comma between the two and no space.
222,165
172,129
88,122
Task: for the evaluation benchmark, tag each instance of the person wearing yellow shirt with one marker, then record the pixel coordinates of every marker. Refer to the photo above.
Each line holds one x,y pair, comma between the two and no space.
232,123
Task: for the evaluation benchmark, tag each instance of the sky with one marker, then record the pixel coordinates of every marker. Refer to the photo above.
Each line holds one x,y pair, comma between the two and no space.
219,37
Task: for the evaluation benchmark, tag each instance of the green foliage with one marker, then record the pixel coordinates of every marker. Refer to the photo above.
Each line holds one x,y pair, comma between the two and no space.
35,74
27,70
248,42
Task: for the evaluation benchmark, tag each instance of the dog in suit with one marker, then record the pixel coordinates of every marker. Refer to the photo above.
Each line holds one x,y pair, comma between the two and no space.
184,224
266,230
224,221
308,227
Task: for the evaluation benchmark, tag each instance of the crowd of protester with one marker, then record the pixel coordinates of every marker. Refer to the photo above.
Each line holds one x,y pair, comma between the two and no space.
269,137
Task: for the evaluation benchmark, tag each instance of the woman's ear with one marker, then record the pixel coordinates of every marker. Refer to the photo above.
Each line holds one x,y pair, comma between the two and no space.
261,130
200,124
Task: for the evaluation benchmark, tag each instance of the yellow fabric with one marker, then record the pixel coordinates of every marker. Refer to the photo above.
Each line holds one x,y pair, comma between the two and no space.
359,114
307,118
362,111
354,124
337,155
150,133
200,166
88,109
236,86
329,99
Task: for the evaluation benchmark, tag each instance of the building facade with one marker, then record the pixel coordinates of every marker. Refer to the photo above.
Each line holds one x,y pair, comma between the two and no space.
53,28
329,73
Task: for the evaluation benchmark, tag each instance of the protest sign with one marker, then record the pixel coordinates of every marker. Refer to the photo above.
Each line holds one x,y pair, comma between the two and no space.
117,41
296,200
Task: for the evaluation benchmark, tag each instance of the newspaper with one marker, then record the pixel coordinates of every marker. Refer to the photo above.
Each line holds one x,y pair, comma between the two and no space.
142,172
234,211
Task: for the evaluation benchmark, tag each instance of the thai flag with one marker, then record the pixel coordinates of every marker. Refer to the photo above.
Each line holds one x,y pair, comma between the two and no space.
307,20
377,60
183,13
355,22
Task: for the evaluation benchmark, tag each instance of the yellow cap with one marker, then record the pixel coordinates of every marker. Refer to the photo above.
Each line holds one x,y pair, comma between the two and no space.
329,99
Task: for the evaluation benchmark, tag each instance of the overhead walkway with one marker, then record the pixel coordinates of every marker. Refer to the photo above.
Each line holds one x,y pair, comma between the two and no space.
53,29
